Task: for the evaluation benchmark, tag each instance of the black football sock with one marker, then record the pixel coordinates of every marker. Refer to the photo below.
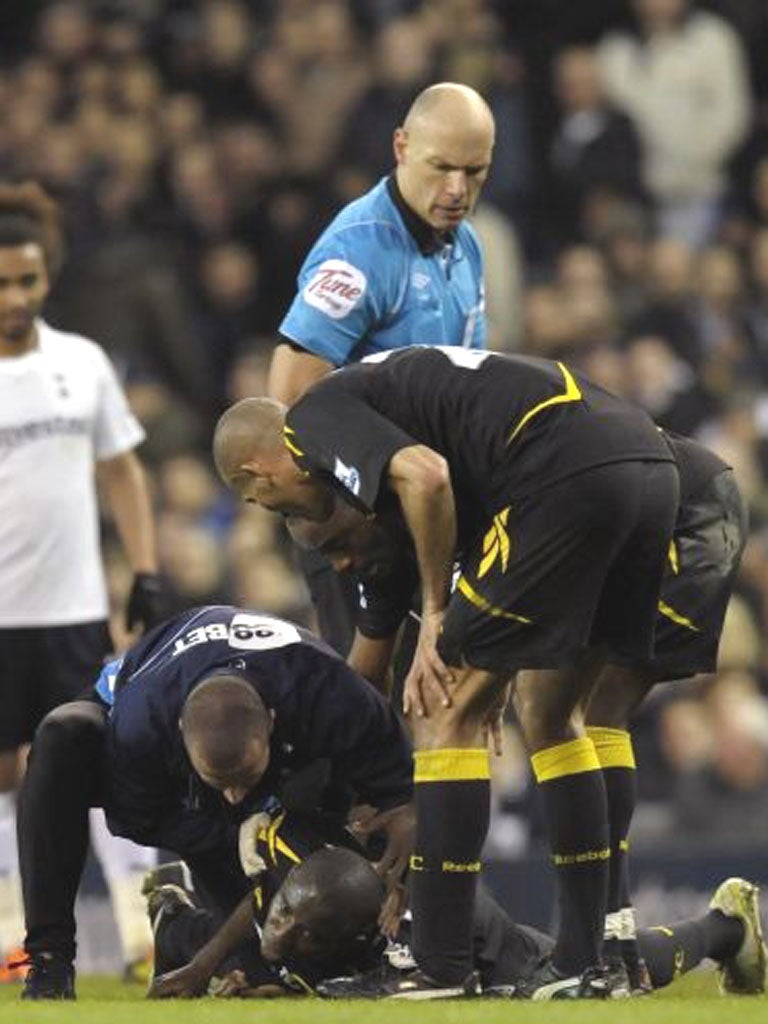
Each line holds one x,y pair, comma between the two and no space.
452,790
674,949
616,757
573,789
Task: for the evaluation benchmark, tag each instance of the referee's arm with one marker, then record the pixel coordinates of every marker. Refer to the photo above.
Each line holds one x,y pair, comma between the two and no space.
292,371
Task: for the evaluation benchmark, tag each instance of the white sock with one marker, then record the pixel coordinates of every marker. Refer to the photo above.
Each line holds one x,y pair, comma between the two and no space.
12,929
124,865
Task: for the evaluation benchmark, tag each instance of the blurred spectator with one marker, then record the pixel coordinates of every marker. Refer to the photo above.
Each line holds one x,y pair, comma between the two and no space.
503,277
188,488
595,147
475,56
403,60
170,423
228,302
721,324
249,370
670,308
683,80
725,799
665,385
756,307
624,242
191,562
129,293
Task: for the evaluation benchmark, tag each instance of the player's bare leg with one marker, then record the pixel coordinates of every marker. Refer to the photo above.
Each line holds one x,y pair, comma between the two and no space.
568,773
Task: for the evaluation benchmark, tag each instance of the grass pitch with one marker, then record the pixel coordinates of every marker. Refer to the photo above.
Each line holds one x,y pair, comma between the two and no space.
692,1000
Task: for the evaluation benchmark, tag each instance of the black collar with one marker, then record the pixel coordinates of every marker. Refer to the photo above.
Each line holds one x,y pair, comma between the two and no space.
428,240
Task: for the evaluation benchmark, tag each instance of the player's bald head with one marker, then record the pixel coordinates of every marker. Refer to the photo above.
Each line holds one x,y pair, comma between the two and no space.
326,912
250,428
226,728
253,460
450,103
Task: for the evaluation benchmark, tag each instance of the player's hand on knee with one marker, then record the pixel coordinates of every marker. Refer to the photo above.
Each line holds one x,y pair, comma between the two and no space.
429,678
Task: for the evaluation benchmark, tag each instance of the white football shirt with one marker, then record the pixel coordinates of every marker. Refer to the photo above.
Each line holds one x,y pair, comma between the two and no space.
61,410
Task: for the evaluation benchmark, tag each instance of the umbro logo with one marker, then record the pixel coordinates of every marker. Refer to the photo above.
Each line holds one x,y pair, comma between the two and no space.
419,280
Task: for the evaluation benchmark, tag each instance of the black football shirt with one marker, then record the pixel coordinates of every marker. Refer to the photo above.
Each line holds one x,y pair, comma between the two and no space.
507,425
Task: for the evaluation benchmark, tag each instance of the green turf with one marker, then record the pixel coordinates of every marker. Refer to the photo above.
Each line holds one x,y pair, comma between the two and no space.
693,1000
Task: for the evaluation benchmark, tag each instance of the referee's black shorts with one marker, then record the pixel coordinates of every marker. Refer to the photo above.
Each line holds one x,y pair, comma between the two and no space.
710,534
577,565
42,667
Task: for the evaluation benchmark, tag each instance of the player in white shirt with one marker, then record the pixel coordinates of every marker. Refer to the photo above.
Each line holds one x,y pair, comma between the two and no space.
64,423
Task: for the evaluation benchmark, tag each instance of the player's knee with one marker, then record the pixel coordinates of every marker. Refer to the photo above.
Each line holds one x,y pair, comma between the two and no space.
543,723
78,724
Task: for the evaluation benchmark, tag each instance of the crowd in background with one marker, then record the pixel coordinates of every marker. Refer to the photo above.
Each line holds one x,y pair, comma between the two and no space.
197,148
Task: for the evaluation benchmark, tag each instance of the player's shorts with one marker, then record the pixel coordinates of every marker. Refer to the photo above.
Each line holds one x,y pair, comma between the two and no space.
43,667
709,538
575,566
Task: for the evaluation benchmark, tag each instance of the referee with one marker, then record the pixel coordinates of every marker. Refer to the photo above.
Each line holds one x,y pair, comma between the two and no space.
401,262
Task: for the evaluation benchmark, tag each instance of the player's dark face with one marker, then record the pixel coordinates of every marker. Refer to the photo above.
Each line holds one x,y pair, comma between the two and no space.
24,288
288,934
441,170
351,542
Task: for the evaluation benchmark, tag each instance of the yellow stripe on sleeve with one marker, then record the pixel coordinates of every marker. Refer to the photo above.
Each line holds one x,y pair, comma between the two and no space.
288,437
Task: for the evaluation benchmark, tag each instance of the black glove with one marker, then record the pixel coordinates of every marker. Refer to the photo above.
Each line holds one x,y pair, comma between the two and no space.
146,604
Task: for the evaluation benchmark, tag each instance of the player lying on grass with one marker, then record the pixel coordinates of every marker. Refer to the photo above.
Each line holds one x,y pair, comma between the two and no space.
709,536
314,909
200,725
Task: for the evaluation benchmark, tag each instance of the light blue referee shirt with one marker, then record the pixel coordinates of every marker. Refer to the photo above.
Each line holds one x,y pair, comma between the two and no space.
380,278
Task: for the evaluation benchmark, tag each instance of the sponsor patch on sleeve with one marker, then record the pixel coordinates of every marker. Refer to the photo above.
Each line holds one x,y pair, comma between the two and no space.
348,475
335,288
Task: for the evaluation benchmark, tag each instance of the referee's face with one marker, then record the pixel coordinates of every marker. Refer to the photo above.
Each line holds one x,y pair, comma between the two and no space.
441,169
24,287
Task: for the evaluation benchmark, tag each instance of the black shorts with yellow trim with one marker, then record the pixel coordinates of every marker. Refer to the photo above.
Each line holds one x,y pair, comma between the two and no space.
702,564
577,565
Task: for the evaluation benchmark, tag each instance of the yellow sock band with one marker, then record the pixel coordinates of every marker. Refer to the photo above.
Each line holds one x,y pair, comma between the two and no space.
613,746
451,765
565,759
